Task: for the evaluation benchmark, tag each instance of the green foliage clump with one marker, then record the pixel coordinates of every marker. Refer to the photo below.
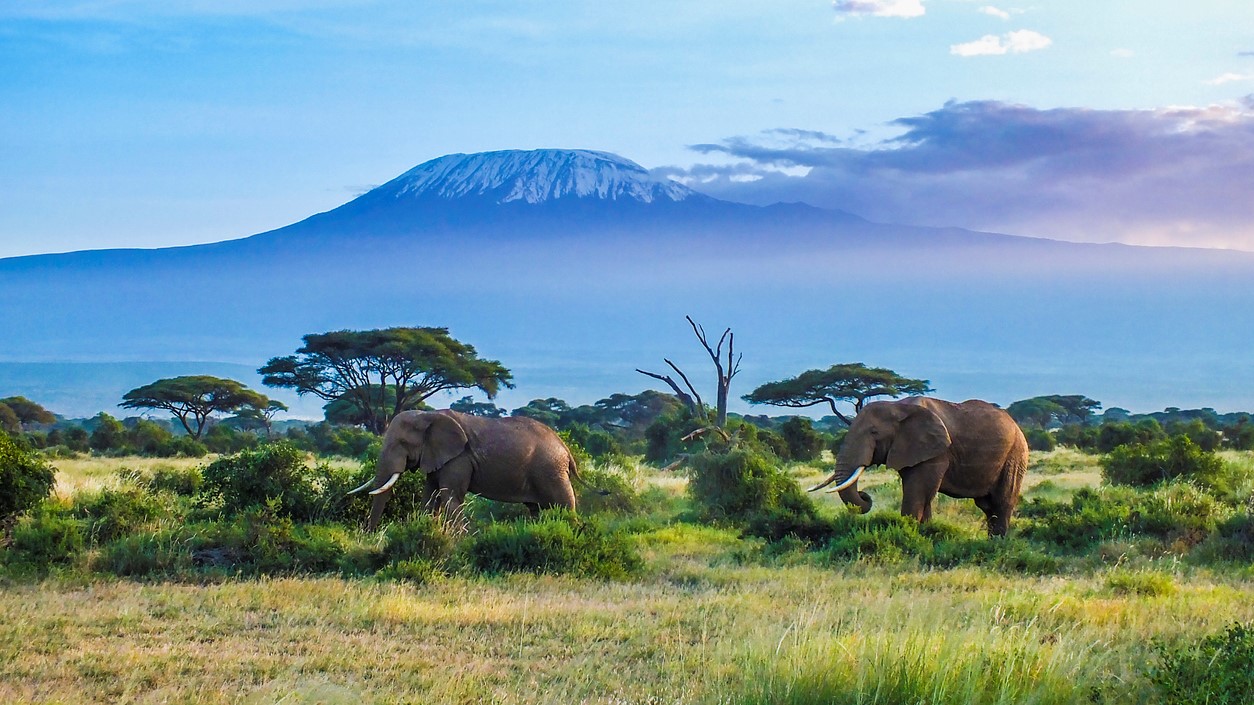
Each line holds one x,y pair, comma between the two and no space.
1145,465
423,537
1039,439
880,537
596,443
1233,539
803,441
25,479
45,539
558,542
1173,513
611,489
1216,670
740,484
185,482
111,513
1090,517
143,555
250,478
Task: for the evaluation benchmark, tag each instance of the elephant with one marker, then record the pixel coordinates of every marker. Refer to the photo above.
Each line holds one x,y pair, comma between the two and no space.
512,459
971,450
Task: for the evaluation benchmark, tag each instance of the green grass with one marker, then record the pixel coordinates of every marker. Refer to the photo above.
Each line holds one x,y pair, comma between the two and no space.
711,617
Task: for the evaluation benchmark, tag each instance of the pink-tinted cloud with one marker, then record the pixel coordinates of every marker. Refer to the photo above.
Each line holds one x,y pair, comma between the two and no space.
1178,175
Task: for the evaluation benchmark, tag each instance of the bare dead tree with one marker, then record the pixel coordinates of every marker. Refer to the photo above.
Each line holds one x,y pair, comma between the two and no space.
725,368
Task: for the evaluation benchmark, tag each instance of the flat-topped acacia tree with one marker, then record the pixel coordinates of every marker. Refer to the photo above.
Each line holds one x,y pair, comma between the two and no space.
383,372
194,398
851,382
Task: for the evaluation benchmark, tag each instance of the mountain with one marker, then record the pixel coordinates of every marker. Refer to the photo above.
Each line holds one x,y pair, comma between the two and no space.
575,267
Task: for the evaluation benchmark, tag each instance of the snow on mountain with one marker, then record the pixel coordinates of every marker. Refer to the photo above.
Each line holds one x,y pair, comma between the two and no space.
535,176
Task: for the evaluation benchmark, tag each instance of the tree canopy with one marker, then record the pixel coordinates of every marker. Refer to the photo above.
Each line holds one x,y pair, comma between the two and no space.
854,383
193,399
1043,410
17,413
385,371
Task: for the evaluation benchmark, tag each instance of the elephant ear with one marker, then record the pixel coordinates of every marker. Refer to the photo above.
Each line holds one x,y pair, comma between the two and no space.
444,440
920,437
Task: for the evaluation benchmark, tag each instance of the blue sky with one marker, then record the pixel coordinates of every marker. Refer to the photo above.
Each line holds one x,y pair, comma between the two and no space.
149,123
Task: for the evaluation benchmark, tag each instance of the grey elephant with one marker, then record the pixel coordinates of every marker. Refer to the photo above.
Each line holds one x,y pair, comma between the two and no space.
972,450
513,459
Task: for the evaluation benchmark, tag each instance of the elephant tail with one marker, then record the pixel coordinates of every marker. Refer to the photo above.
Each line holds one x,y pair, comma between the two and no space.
574,475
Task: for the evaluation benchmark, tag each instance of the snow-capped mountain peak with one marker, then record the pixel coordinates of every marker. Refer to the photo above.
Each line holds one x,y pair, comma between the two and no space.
535,176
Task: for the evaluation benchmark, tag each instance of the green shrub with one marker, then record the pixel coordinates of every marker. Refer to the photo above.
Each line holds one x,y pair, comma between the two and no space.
1089,518
609,490
1145,465
1216,670
557,542
45,539
417,572
804,443
741,484
111,513
1233,539
1039,439
423,537
597,444
25,479
1176,512
252,477
880,537
185,482
163,553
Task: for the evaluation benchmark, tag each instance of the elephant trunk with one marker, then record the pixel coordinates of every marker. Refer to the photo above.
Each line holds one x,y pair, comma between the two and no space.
391,465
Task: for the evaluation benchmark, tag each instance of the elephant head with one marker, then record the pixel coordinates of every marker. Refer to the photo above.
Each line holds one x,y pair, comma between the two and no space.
896,434
414,439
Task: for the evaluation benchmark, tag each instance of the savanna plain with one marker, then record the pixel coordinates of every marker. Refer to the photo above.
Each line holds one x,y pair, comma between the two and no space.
680,608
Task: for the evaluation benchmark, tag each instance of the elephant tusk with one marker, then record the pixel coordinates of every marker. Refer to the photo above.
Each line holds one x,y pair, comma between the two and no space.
852,479
364,486
387,485
823,484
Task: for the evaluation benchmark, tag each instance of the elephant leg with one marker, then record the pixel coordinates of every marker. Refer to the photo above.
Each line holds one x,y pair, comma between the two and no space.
996,513
431,495
919,485
533,508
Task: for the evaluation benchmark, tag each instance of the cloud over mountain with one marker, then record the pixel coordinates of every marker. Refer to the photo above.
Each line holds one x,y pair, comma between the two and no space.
1179,175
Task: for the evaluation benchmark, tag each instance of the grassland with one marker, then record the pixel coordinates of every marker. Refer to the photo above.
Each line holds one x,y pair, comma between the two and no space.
714,618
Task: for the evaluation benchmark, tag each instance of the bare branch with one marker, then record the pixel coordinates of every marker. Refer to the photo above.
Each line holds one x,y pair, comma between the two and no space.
683,396
700,404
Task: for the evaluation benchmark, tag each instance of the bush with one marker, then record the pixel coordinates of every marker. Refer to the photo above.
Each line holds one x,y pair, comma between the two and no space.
880,537
609,490
163,553
185,482
1213,671
1144,465
1203,436
249,478
25,479
423,537
1113,434
741,484
1039,439
557,542
1233,539
112,513
1090,517
597,444
46,539
1077,436
803,441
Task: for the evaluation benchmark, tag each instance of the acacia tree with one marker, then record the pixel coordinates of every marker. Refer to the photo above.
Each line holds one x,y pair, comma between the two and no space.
252,417
21,413
385,371
854,383
1042,411
194,398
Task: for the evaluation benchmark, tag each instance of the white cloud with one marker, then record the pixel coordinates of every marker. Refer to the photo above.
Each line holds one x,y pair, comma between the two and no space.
1230,78
1123,53
880,8
1017,42
995,12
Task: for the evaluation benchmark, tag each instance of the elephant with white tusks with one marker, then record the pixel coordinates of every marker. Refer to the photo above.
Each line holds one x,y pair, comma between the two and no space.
514,459
972,450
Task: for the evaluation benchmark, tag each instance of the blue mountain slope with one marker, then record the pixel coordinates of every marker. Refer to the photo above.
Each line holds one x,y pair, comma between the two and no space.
574,268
